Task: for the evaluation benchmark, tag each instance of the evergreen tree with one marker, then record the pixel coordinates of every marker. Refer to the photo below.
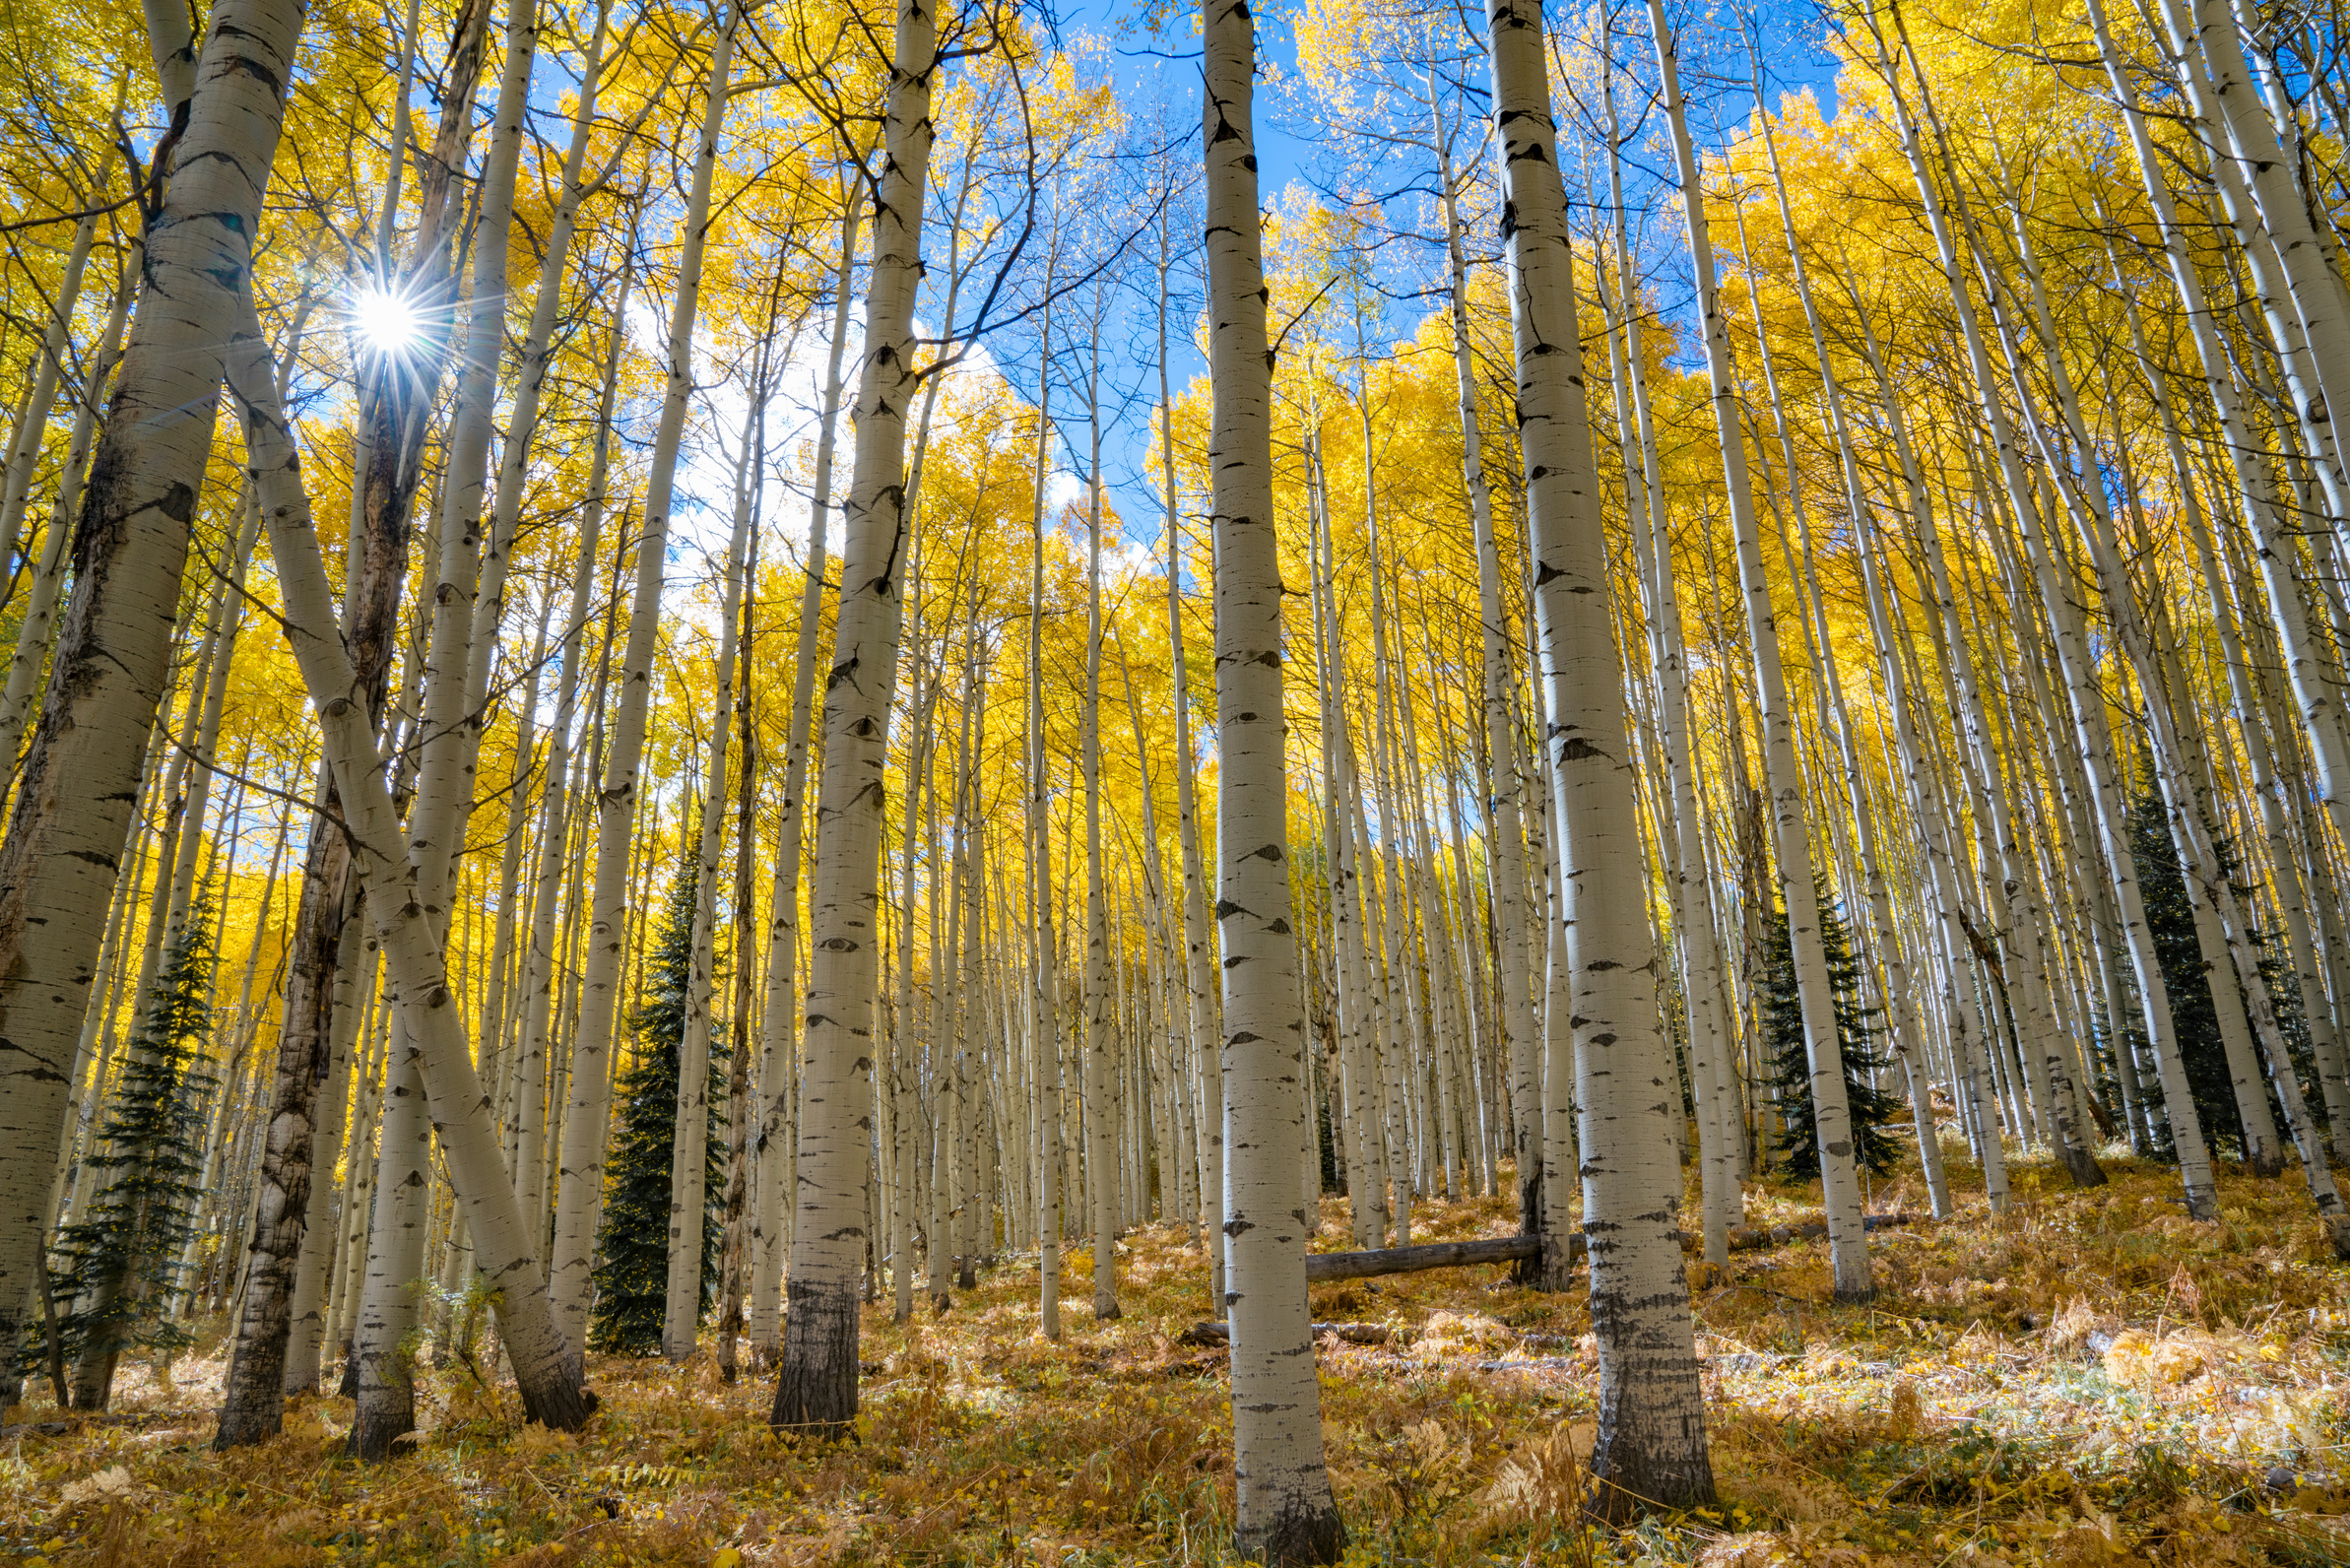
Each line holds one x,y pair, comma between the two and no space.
1783,1035
115,1274
2170,919
631,1271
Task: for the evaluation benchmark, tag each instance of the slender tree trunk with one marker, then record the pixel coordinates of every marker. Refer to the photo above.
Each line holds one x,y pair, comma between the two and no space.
779,1042
1100,1124
688,1162
1848,1242
817,1386
1044,1039
545,1368
1286,1513
1651,1449
587,1114
48,573
1197,961
2088,712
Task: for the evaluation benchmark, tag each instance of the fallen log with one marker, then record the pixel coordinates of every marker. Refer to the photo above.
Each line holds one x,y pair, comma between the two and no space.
1746,1239
1323,1266
1349,1332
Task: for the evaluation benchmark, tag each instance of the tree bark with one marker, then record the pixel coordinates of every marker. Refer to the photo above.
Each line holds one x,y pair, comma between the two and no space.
1286,1513
816,1383
1650,1450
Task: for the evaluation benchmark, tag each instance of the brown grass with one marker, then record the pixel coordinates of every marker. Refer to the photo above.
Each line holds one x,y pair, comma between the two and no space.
2085,1381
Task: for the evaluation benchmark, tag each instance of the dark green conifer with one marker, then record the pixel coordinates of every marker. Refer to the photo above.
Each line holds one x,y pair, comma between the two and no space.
114,1275
2171,920
632,1272
1855,1032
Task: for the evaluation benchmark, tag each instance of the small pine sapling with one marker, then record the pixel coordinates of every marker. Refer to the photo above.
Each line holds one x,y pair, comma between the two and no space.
1855,1028
114,1275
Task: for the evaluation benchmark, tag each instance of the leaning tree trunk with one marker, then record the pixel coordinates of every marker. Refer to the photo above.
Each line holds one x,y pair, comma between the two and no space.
1286,1513
545,1369
817,1384
48,573
73,805
2084,698
1650,1450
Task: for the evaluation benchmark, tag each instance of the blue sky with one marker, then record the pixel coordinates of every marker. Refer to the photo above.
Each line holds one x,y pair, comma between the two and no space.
1166,68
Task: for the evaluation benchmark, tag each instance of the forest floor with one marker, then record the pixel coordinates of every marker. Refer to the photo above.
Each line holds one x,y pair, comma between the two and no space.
2091,1379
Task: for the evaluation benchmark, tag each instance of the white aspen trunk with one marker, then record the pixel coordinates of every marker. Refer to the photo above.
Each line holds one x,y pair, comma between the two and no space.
2245,136
587,1113
305,1305
2267,788
527,1139
48,572
1369,1166
905,1045
1044,1039
1197,961
779,1033
1847,1241
817,1388
49,361
76,789
491,1030
1904,1029
1505,836
1972,1051
1722,1154
2318,704
1100,1152
689,1140
1286,1512
1651,1448
2092,514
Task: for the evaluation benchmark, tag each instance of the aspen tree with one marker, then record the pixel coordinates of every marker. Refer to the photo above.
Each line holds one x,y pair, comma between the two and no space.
1197,963
2086,703
543,1362
1651,1447
1100,1152
779,1034
40,623
1044,1039
1285,1513
688,1169
1883,937
48,364
1847,1241
528,1135
579,1198
1693,913
2239,133
71,816
817,1388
